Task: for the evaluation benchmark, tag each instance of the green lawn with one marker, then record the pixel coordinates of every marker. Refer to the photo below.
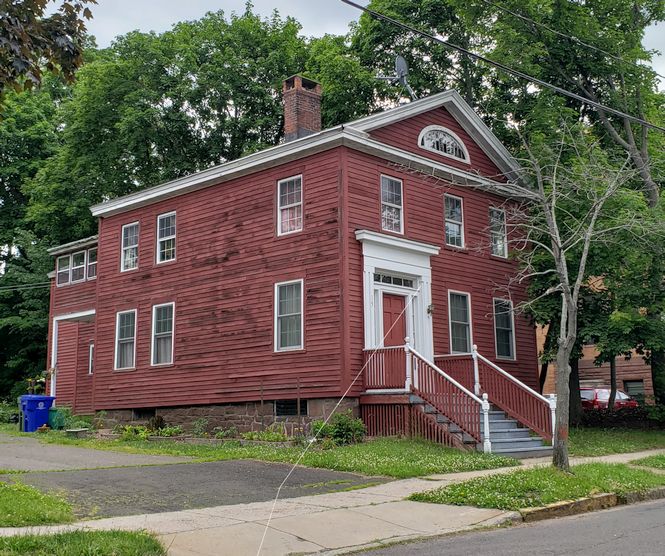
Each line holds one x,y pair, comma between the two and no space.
389,457
82,543
540,486
22,505
601,442
657,462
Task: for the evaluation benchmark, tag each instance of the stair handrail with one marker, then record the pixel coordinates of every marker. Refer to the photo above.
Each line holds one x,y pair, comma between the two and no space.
551,401
484,402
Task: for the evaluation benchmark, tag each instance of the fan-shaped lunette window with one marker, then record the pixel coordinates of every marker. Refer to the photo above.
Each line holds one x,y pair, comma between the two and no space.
443,141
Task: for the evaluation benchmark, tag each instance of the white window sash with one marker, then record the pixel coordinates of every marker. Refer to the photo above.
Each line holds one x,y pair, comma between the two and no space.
127,248
468,325
281,208
164,239
68,270
513,353
91,264
125,341
498,238
278,316
91,356
162,335
460,223
72,268
399,207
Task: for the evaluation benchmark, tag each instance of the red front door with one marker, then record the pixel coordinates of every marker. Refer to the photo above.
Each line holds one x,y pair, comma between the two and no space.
394,320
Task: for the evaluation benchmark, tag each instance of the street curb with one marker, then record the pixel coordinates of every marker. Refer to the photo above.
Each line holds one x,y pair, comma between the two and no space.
590,504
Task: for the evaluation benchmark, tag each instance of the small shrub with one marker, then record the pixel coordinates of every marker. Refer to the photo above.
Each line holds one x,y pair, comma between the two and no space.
156,423
200,427
321,429
273,433
99,419
230,432
169,431
343,428
8,413
134,432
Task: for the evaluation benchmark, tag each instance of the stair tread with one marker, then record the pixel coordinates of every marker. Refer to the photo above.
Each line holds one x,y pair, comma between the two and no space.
525,449
528,439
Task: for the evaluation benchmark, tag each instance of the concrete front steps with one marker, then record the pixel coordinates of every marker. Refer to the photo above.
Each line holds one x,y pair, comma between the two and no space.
508,436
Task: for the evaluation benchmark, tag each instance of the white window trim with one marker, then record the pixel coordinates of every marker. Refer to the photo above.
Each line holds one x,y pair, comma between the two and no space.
301,347
152,335
91,355
505,233
84,266
454,136
450,331
123,248
88,263
400,207
280,207
69,271
117,327
174,236
461,223
512,323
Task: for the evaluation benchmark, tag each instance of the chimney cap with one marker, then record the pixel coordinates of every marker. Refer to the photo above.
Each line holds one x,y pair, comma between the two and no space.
298,81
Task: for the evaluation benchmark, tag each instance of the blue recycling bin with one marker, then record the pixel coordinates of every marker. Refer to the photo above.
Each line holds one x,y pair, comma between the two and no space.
35,411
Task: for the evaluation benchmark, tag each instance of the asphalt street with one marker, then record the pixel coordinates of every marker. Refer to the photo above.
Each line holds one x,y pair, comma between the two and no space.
637,529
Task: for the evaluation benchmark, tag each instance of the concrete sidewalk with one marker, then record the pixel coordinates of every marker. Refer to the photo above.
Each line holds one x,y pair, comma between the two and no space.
328,523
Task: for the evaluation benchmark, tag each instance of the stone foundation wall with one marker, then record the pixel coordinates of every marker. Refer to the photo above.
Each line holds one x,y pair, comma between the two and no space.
247,416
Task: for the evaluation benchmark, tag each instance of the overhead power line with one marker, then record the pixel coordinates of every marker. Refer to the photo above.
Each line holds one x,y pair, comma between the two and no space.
507,69
25,287
564,35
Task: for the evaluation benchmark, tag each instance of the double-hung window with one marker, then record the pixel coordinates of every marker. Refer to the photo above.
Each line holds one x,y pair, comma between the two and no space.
289,315
92,263
162,333
125,339
460,322
504,329
289,205
454,221
498,239
166,237
129,258
63,269
78,266
391,205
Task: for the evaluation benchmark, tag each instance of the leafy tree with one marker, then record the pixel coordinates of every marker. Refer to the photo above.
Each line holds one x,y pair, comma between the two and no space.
28,40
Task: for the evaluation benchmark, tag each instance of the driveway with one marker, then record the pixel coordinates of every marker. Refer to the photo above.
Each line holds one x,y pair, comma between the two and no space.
97,487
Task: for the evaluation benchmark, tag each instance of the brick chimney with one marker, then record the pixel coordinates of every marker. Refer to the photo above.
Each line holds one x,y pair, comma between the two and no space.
302,107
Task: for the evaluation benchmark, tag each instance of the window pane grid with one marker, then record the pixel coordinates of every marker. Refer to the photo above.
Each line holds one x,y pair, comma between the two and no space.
130,246
166,234
498,240
289,316
92,263
78,266
163,335
290,205
460,323
503,325
125,338
63,270
443,142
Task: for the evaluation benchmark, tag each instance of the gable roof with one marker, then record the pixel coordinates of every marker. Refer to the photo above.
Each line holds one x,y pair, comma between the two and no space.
354,135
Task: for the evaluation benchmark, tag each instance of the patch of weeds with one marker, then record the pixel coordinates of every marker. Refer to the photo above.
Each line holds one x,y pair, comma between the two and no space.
169,431
200,427
542,485
273,433
657,462
230,432
22,505
602,442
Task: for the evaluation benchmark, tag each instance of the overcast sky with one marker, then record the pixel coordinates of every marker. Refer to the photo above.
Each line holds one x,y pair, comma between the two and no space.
116,17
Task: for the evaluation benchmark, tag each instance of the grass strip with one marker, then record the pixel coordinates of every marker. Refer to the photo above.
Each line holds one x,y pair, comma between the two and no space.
602,442
540,486
386,456
657,462
83,543
22,505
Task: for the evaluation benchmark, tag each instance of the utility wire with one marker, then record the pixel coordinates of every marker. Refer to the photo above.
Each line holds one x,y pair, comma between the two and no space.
25,287
564,35
507,69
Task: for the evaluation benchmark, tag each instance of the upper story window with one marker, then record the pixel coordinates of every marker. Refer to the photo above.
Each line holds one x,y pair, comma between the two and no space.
504,329
92,263
391,205
289,205
498,238
166,237
62,270
78,266
130,247
443,141
454,221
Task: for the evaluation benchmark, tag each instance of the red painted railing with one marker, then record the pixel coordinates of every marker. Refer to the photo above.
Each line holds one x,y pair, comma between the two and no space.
459,367
515,398
385,368
449,397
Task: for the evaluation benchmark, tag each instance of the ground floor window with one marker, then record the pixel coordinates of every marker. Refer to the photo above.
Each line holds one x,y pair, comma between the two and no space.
635,389
289,315
162,333
504,329
460,322
125,339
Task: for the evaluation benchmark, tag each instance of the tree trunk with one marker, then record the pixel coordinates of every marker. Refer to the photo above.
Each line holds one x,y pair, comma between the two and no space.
560,448
575,418
613,383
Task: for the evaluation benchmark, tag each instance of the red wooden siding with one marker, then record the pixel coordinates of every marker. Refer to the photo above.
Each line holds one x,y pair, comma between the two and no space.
67,360
83,396
404,135
228,260
73,297
471,270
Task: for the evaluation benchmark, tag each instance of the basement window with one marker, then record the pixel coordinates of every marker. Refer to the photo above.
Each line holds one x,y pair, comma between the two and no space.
289,408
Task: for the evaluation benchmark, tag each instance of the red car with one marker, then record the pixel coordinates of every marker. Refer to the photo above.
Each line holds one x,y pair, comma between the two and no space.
597,398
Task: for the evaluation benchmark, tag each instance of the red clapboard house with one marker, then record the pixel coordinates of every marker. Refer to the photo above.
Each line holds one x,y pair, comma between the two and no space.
265,288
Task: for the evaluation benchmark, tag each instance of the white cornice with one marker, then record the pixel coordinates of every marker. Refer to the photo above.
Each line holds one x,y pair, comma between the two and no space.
367,236
72,245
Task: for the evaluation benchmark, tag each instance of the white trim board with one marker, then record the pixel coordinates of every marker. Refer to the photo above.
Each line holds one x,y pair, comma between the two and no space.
80,315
